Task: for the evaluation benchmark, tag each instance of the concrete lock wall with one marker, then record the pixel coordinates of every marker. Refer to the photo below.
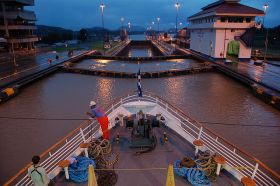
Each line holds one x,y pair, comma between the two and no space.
223,37
203,41
214,42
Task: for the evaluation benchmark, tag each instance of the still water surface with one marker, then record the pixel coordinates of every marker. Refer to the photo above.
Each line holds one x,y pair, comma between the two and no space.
208,97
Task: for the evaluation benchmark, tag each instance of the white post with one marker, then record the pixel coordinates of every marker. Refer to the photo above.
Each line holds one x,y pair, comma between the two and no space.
218,169
255,171
196,150
86,152
82,134
200,132
121,101
121,121
66,173
166,106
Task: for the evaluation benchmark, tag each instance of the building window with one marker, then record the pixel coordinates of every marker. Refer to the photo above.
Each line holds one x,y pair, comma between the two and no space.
223,19
248,20
240,19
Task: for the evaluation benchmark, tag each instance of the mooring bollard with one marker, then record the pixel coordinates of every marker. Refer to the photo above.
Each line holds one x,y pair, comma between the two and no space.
197,143
65,164
246,181
220,160
84,147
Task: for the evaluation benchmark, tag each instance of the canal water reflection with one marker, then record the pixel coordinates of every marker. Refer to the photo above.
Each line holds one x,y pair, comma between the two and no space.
209,97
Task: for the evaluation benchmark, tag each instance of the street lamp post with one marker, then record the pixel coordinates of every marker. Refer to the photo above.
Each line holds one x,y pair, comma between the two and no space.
265,7
102,6
129,25
158,19
153,33
177,6
122,20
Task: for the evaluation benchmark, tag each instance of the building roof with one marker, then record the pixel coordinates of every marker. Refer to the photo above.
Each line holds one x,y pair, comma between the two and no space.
232,7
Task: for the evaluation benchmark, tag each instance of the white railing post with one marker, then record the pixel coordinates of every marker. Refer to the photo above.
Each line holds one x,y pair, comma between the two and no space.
166,106
255,171
156,100
199,134
121,102
82,134
112,107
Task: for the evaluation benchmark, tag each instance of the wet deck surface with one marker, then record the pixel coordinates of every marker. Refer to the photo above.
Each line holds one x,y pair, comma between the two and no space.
160,157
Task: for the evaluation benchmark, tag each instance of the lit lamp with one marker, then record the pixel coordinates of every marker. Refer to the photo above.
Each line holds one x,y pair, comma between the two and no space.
129,25
122,20
265,7
158,19
102,6
177,6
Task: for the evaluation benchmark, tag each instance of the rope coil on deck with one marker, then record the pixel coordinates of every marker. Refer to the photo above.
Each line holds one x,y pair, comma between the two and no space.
101,152
206,163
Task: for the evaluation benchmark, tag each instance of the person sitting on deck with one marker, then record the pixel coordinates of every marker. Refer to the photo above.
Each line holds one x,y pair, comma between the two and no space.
102,119
38,174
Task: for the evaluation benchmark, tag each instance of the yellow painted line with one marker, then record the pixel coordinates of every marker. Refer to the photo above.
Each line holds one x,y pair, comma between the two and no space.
170,176
91,176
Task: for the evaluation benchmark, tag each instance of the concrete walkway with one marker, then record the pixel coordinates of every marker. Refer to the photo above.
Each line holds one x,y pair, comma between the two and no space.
267,75
30,64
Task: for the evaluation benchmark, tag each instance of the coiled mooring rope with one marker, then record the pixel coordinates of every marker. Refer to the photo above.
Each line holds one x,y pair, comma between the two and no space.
193,174
206,163
200,172
78,170
100,151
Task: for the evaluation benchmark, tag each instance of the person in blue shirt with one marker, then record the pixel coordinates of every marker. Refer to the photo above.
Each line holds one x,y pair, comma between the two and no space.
102,119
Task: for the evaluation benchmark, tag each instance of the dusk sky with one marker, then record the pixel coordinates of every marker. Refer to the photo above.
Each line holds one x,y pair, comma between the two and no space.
77,14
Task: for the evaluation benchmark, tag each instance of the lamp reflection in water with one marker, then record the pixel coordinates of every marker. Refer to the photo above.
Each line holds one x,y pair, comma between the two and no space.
105,89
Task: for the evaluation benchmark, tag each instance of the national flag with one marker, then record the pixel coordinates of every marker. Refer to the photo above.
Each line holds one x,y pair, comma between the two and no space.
139,84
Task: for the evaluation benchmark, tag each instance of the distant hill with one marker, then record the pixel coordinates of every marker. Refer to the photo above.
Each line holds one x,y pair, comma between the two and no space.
43,30
50,34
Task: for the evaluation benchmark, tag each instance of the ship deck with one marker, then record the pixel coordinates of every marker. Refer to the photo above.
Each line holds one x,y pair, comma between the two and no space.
164,154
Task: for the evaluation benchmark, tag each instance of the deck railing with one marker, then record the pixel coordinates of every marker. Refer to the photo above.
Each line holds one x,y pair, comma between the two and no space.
237,159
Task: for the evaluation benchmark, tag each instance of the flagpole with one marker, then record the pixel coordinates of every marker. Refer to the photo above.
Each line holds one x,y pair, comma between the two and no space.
137,77
139,87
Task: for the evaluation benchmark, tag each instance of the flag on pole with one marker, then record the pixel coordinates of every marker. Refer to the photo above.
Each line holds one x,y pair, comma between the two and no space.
139,84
